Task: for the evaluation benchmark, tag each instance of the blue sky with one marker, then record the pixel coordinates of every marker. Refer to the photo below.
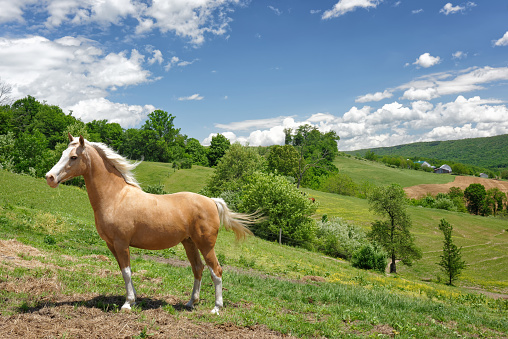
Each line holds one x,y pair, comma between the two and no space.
379,73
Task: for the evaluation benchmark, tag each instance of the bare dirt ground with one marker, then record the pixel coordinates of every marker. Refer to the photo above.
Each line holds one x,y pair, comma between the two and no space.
83,316
419,191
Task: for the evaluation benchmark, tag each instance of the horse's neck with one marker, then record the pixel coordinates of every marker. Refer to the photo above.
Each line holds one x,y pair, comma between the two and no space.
103,181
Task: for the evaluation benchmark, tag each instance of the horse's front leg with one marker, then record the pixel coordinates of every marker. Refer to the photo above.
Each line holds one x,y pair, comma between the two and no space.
122,255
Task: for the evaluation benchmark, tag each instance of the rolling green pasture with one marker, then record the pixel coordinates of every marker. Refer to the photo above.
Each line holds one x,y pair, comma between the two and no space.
484,240
264,283
191,180
379,174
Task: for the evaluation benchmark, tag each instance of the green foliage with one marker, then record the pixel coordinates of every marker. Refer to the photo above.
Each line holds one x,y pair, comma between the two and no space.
283,160
284,206
369,257
393,234
451,260
340,183
338,238
218,147
238,163
315,149
475,196
155,189
196,151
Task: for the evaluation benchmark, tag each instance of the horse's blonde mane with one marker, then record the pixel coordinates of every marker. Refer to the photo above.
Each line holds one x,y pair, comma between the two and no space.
123,165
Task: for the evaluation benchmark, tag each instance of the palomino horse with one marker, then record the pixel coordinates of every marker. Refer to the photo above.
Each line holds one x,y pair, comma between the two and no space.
126,216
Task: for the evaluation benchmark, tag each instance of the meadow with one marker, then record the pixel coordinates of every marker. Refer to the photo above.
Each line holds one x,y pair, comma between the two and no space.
63,270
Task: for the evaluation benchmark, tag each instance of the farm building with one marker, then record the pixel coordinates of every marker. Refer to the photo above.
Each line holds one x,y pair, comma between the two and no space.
483,175
443,169
423,163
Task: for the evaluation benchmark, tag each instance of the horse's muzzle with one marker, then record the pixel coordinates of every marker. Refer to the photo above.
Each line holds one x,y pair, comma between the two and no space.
51,180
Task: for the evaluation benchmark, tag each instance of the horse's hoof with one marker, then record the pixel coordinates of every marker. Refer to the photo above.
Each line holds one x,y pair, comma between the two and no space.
215,310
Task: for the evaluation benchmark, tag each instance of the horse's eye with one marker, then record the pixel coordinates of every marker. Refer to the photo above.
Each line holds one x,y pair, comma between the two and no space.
74,157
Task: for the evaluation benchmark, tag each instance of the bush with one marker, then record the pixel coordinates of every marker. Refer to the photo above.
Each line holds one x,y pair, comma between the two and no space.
445,204
284,206
155,189
338,238
369,257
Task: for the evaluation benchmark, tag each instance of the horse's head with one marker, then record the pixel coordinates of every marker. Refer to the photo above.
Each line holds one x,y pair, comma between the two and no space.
73,163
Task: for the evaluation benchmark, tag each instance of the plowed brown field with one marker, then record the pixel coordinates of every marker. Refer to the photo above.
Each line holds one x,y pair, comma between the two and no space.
462,182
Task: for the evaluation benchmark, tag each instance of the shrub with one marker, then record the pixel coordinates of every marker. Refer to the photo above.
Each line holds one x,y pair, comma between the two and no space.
155,189
284,206
338,238
445,204
369,257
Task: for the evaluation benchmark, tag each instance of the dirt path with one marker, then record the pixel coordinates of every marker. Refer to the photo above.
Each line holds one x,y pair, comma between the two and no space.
419,191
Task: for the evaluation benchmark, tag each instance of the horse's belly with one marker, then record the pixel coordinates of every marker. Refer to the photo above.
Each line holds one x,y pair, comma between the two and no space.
151,238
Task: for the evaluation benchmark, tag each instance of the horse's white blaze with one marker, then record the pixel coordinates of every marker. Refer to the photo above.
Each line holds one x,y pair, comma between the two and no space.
218,292
57,169
195,293
131,292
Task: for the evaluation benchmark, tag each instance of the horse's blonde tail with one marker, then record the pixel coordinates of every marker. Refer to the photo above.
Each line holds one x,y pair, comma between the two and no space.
238,222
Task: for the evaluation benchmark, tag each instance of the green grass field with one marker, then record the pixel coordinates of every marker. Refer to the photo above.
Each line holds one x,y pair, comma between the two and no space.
263,280
191,180
379,174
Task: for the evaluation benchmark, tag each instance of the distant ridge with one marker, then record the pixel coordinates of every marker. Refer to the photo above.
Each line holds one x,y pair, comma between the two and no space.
489,152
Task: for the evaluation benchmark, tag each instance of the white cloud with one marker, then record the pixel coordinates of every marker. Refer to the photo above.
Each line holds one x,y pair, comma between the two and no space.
417,11
392,124
72,73
426,60
378,96
503,41
450,9
194,97
275,10
157,58
459,55
435,85
189,19
101,108
250,124
344,6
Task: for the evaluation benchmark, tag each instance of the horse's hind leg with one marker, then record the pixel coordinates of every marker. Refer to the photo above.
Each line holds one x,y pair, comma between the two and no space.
197,269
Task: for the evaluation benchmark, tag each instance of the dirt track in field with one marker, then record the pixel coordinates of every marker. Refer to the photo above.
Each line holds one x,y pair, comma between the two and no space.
462,182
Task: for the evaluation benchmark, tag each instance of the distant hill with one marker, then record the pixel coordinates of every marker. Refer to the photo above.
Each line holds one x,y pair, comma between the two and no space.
491,152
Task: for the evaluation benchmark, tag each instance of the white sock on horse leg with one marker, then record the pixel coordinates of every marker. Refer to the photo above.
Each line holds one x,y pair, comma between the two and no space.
195,293
218,292
129,287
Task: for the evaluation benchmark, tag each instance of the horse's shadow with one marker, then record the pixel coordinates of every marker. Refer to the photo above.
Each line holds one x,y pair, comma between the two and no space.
107,303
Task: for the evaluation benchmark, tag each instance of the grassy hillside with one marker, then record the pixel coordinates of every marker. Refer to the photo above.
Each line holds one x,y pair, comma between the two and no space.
59,271
191,180
483,152
380,174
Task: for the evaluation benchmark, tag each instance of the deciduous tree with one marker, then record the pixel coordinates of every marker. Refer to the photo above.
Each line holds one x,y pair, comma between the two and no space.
393,233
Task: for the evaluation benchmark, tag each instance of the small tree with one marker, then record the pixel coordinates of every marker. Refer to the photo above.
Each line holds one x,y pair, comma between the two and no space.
218,147
475,196
393,234
451,259
286,208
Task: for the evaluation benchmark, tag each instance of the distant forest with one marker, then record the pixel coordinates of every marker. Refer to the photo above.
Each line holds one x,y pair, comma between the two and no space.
491,152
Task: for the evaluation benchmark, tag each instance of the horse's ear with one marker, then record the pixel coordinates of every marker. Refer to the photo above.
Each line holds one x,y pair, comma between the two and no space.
70,137
82,141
